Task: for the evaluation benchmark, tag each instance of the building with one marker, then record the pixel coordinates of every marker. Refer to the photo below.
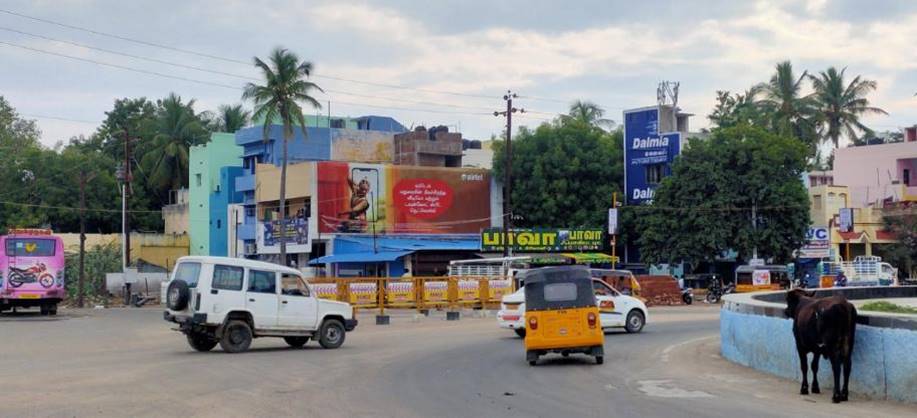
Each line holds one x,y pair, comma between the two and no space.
175,215
653,137
365,138
477,154
877,173
434,147
206,188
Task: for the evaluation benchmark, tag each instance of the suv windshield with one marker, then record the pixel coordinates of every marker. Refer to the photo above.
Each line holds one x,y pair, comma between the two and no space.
188,272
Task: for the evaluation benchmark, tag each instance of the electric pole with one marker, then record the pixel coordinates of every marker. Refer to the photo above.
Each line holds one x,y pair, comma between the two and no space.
507,171
83,180
125,214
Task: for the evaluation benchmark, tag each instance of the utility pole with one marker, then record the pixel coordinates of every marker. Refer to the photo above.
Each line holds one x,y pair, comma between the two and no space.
125,215
507,170
83,180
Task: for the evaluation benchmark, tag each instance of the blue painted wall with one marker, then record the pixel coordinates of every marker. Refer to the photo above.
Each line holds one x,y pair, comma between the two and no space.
883,358
219,205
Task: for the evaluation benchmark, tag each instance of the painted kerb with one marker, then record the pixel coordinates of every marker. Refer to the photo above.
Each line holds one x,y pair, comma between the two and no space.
754,333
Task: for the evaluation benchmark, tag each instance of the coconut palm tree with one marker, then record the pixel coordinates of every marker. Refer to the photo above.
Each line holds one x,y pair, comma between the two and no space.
177,128
285,87
588,113
790,112
841,105
229,118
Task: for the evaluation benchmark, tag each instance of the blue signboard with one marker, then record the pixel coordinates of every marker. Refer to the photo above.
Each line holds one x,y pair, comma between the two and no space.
648,155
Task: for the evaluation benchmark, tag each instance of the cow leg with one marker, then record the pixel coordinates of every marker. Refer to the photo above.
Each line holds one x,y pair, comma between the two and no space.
847,363
803,365
836,368
815,388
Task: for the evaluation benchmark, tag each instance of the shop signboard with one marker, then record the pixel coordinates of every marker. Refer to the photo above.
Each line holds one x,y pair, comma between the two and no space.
375,198
761,277
542,240
295,234
648,154
817,245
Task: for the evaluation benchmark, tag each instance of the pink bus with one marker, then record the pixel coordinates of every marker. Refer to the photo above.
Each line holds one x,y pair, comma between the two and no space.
31,270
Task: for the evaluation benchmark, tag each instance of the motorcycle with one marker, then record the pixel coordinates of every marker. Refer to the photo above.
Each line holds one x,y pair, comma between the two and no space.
37,273
716,290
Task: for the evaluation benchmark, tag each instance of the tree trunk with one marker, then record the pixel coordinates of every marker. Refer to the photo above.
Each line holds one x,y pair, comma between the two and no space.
283,200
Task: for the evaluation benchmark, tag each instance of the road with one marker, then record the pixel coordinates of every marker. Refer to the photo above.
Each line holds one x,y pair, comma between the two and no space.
126,362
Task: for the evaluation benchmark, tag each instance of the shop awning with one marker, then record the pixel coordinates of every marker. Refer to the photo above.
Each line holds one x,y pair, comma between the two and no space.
360,257
587,258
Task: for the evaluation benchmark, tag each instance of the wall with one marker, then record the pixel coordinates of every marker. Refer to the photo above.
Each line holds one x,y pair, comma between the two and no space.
883,366
219,203
158,249
299,181
870,170
175,216
204,179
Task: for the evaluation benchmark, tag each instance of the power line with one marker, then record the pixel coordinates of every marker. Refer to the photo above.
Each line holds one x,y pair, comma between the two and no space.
59,118
73,208
123,38
236,61
137,70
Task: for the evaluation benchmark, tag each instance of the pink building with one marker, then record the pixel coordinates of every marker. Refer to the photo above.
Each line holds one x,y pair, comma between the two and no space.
875,173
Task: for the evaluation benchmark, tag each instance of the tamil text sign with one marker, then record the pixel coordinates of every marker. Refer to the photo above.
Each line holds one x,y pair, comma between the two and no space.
538,240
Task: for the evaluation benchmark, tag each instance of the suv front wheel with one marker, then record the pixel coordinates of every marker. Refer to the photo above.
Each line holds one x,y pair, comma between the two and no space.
237,337
331,334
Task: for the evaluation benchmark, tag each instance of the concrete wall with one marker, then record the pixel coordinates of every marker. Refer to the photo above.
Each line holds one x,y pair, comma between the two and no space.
883,358
158,249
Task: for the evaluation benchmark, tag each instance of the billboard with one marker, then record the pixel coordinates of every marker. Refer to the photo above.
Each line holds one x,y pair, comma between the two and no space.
648,154
845,220
375,198
540,240
818,243
296,235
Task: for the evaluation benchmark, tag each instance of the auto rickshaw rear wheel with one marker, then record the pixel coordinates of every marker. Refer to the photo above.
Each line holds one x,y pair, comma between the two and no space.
599,359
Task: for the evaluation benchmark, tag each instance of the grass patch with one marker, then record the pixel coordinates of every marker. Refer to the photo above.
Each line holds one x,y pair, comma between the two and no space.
883,306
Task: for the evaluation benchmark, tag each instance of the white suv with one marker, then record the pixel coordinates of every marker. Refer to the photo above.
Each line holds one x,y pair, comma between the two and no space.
230,301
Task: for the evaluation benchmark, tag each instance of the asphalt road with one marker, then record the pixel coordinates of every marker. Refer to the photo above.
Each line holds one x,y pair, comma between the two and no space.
126,362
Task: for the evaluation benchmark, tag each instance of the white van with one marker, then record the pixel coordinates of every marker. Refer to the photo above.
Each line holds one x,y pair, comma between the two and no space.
230,301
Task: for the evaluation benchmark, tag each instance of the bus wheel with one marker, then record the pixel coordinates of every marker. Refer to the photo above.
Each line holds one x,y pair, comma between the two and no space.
44,310
52,310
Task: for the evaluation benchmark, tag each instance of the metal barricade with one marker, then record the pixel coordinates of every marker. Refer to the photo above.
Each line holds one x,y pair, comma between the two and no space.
421,293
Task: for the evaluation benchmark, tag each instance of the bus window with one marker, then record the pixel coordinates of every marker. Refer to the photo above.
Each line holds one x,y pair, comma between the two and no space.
30,247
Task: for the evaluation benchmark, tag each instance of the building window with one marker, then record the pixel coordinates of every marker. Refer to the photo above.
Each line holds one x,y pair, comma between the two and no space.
250,211
816,201
654,173
197,179
906,177
219,223
337,123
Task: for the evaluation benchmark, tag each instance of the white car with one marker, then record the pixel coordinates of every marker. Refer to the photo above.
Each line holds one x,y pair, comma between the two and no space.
230,301
615,310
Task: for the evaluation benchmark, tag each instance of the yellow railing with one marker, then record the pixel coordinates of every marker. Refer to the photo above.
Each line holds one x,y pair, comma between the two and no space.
420,293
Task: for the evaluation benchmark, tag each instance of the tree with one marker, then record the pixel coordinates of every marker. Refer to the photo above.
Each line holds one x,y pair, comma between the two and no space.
566,174
705,207
588,113
790,113
229,118
841,105
279,98
735,109
901,221
177,129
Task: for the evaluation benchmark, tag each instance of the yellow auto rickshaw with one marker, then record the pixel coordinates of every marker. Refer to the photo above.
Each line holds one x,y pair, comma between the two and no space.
561,314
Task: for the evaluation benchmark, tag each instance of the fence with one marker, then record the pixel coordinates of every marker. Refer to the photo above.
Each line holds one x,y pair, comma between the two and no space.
420,293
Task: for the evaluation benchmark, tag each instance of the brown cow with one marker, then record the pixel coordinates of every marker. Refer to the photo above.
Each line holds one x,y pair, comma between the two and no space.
824,327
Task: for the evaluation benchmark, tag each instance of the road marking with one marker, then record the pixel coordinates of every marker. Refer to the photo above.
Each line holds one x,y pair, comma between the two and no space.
665,389
665,353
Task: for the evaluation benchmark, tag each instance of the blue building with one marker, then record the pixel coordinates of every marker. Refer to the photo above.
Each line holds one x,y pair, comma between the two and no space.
365,138
224,195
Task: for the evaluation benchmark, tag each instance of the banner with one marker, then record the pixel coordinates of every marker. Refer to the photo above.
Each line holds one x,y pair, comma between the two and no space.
375,198
648,154
296,232
541,240
817,245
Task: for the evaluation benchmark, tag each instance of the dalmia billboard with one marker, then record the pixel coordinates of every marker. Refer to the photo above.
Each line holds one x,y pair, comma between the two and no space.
648,154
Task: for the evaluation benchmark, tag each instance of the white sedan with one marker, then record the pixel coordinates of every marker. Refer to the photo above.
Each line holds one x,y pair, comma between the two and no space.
615,310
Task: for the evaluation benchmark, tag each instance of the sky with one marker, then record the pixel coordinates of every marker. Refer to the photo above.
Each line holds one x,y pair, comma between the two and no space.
446,62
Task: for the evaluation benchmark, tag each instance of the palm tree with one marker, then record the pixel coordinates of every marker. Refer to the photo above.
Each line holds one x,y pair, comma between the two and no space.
840,105
229,118
588,113
790,113
177,128
278,99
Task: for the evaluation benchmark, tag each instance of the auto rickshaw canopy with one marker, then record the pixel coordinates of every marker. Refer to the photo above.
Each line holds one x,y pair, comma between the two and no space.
562,287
